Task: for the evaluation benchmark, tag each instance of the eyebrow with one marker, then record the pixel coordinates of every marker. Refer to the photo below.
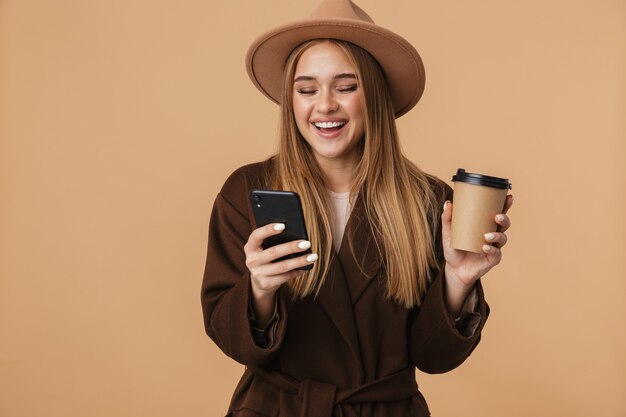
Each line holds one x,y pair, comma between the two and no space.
343,75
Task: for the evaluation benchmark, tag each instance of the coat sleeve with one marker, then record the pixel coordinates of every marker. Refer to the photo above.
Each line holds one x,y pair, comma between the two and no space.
436,344
226,288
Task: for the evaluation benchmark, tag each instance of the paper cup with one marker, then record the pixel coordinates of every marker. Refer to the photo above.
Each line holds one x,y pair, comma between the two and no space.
477,200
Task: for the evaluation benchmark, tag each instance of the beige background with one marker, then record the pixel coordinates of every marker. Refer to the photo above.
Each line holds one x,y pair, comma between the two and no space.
120,119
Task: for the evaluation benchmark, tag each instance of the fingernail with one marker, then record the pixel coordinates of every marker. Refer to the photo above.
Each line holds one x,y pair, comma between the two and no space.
279,226
312,257
445,205
500,217
487,248
305,244
490,236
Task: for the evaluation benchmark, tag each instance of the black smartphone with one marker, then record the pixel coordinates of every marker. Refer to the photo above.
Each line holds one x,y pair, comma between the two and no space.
272,206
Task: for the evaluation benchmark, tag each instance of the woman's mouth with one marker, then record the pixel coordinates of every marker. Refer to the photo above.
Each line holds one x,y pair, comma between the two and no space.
329,128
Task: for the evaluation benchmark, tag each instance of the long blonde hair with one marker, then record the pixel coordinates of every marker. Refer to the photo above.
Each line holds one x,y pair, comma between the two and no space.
398,197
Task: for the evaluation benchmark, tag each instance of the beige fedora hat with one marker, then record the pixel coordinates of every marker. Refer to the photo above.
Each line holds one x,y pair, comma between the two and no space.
343,20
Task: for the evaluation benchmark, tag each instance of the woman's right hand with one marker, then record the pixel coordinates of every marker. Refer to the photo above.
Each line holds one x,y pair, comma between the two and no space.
267,276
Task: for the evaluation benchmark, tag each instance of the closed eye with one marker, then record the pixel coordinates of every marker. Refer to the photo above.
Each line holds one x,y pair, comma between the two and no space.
306,91
347,88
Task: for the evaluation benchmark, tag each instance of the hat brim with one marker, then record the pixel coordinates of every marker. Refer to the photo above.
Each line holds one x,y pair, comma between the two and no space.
402,65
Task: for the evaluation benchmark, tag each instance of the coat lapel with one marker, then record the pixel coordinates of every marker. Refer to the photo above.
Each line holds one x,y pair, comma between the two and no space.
358,254
350,273
334,297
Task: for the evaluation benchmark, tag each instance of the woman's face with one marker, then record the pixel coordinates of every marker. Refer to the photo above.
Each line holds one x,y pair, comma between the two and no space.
327,104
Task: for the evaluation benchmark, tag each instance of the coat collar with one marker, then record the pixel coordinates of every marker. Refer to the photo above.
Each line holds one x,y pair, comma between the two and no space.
351,272
359,255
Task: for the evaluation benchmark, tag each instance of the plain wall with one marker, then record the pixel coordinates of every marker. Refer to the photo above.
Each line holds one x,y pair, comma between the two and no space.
120,120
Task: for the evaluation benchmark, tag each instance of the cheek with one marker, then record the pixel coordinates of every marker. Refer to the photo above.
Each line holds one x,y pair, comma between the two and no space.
356,112
353,106
299,110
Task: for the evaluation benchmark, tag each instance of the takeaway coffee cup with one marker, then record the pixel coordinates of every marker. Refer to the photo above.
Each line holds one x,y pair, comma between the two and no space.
477,200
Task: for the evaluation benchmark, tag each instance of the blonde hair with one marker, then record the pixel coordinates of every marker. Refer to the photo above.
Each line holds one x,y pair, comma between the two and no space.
398,197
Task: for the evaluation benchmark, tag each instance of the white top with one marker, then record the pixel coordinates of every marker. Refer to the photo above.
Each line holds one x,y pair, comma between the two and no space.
342,208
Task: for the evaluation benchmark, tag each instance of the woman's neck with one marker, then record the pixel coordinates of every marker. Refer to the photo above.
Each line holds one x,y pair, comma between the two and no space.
339,175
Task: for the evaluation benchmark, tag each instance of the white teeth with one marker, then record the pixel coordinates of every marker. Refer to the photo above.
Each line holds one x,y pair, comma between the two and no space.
327,125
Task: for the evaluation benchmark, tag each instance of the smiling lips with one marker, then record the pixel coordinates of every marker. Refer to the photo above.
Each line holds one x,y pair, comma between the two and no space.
329,130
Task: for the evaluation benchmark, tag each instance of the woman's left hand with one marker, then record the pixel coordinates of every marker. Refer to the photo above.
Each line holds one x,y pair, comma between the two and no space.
464,268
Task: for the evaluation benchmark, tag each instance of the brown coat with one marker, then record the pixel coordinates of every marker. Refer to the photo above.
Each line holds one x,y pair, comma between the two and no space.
351,351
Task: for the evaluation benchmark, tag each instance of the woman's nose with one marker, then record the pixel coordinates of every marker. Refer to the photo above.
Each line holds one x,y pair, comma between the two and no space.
327,102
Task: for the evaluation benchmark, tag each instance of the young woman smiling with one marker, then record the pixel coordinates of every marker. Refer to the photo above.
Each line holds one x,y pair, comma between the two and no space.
386,293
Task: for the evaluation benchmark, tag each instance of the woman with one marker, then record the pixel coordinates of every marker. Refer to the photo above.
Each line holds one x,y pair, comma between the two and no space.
386,292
